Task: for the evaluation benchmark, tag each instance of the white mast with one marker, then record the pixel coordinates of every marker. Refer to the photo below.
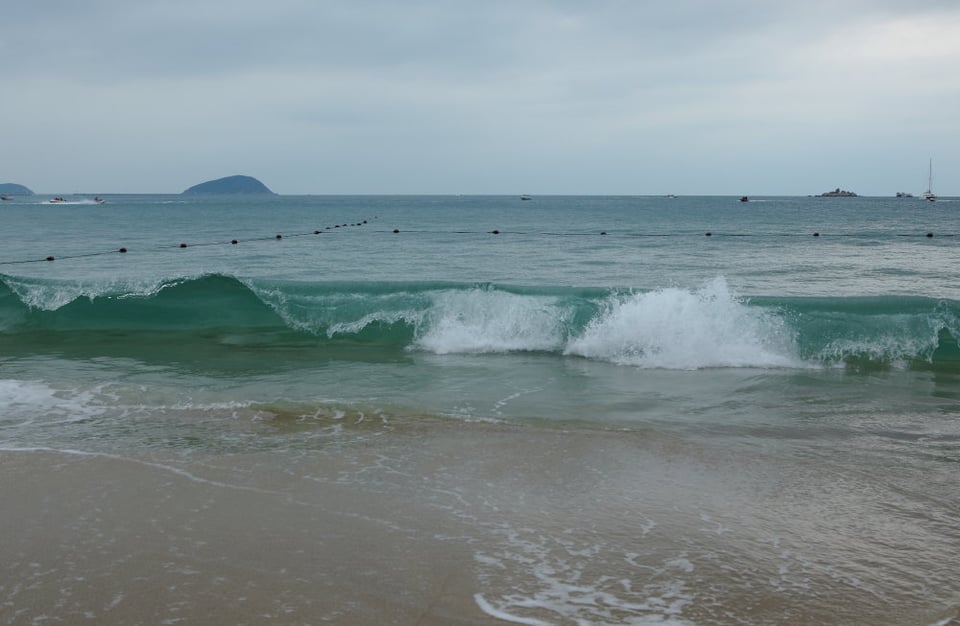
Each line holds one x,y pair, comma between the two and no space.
928,194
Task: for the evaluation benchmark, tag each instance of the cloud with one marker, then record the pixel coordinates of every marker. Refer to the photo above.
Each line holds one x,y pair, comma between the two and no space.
612,97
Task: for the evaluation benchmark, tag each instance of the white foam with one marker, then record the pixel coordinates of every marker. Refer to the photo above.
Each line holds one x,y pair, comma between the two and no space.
894,348
309,313
50,295
682,564
542,578
26,399
70,202
490,610
687,329
379,317
481,321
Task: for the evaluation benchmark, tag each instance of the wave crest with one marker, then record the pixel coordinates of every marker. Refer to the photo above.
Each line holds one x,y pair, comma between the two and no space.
483,320
687,329
673,328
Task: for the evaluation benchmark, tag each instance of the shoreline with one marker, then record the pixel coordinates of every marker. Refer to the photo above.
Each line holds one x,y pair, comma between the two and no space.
443,522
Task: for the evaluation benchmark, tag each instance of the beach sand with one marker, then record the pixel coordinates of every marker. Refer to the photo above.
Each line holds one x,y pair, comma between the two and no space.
441,522
99,540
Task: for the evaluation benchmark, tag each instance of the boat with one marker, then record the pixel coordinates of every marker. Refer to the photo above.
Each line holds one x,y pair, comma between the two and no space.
525,197
928,194
6,197
904,194
62,200
744,199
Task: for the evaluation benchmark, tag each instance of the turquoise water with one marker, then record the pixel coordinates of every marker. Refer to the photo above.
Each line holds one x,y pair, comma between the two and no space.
591,289
802,343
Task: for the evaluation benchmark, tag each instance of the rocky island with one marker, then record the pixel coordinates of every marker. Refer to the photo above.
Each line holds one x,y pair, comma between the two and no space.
230,185
13,189
838,193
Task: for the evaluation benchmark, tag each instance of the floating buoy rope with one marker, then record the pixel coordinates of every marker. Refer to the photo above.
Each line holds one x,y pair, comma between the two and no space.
181,245
495,231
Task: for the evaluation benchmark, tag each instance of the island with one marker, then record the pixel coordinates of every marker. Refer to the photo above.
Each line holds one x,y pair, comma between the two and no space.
838,193
231,185
13,189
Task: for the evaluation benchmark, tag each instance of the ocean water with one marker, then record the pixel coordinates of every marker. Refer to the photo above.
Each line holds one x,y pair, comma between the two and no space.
478,409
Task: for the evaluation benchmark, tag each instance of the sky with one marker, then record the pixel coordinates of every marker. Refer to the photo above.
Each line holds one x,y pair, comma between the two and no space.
698,97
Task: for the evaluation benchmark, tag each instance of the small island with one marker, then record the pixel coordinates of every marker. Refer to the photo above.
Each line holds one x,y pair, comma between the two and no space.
838,193
13,189
231,185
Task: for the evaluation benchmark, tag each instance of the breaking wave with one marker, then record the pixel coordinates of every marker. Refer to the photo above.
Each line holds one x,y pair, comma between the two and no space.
673,327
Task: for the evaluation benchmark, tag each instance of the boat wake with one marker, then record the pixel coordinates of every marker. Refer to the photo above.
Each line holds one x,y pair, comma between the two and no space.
73,202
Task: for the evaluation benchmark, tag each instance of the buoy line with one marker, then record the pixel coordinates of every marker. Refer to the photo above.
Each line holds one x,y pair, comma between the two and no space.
495,231
181,245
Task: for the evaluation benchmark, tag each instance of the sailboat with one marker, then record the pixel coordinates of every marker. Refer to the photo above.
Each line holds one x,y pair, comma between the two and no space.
928,194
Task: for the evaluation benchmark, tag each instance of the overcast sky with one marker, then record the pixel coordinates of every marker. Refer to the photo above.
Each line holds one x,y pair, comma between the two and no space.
482,96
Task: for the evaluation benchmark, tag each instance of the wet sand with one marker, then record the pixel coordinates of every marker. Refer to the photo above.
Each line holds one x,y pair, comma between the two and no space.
99,540
451,523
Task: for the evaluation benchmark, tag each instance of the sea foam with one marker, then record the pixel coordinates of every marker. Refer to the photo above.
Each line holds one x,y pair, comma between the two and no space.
676,328
27,400
481,320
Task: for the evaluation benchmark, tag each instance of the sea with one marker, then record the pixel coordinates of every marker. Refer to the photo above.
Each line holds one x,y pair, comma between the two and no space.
644,410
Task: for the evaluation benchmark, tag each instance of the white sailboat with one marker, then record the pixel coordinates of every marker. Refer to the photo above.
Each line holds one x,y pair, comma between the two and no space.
928,194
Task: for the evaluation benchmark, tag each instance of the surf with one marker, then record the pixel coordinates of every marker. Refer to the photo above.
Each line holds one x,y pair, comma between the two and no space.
707,326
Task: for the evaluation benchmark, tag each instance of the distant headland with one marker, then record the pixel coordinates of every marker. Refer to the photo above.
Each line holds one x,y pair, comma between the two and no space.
231,185
13,189
838,193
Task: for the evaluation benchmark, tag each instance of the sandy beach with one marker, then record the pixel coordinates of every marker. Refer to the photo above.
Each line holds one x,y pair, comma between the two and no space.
92,539
447,523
